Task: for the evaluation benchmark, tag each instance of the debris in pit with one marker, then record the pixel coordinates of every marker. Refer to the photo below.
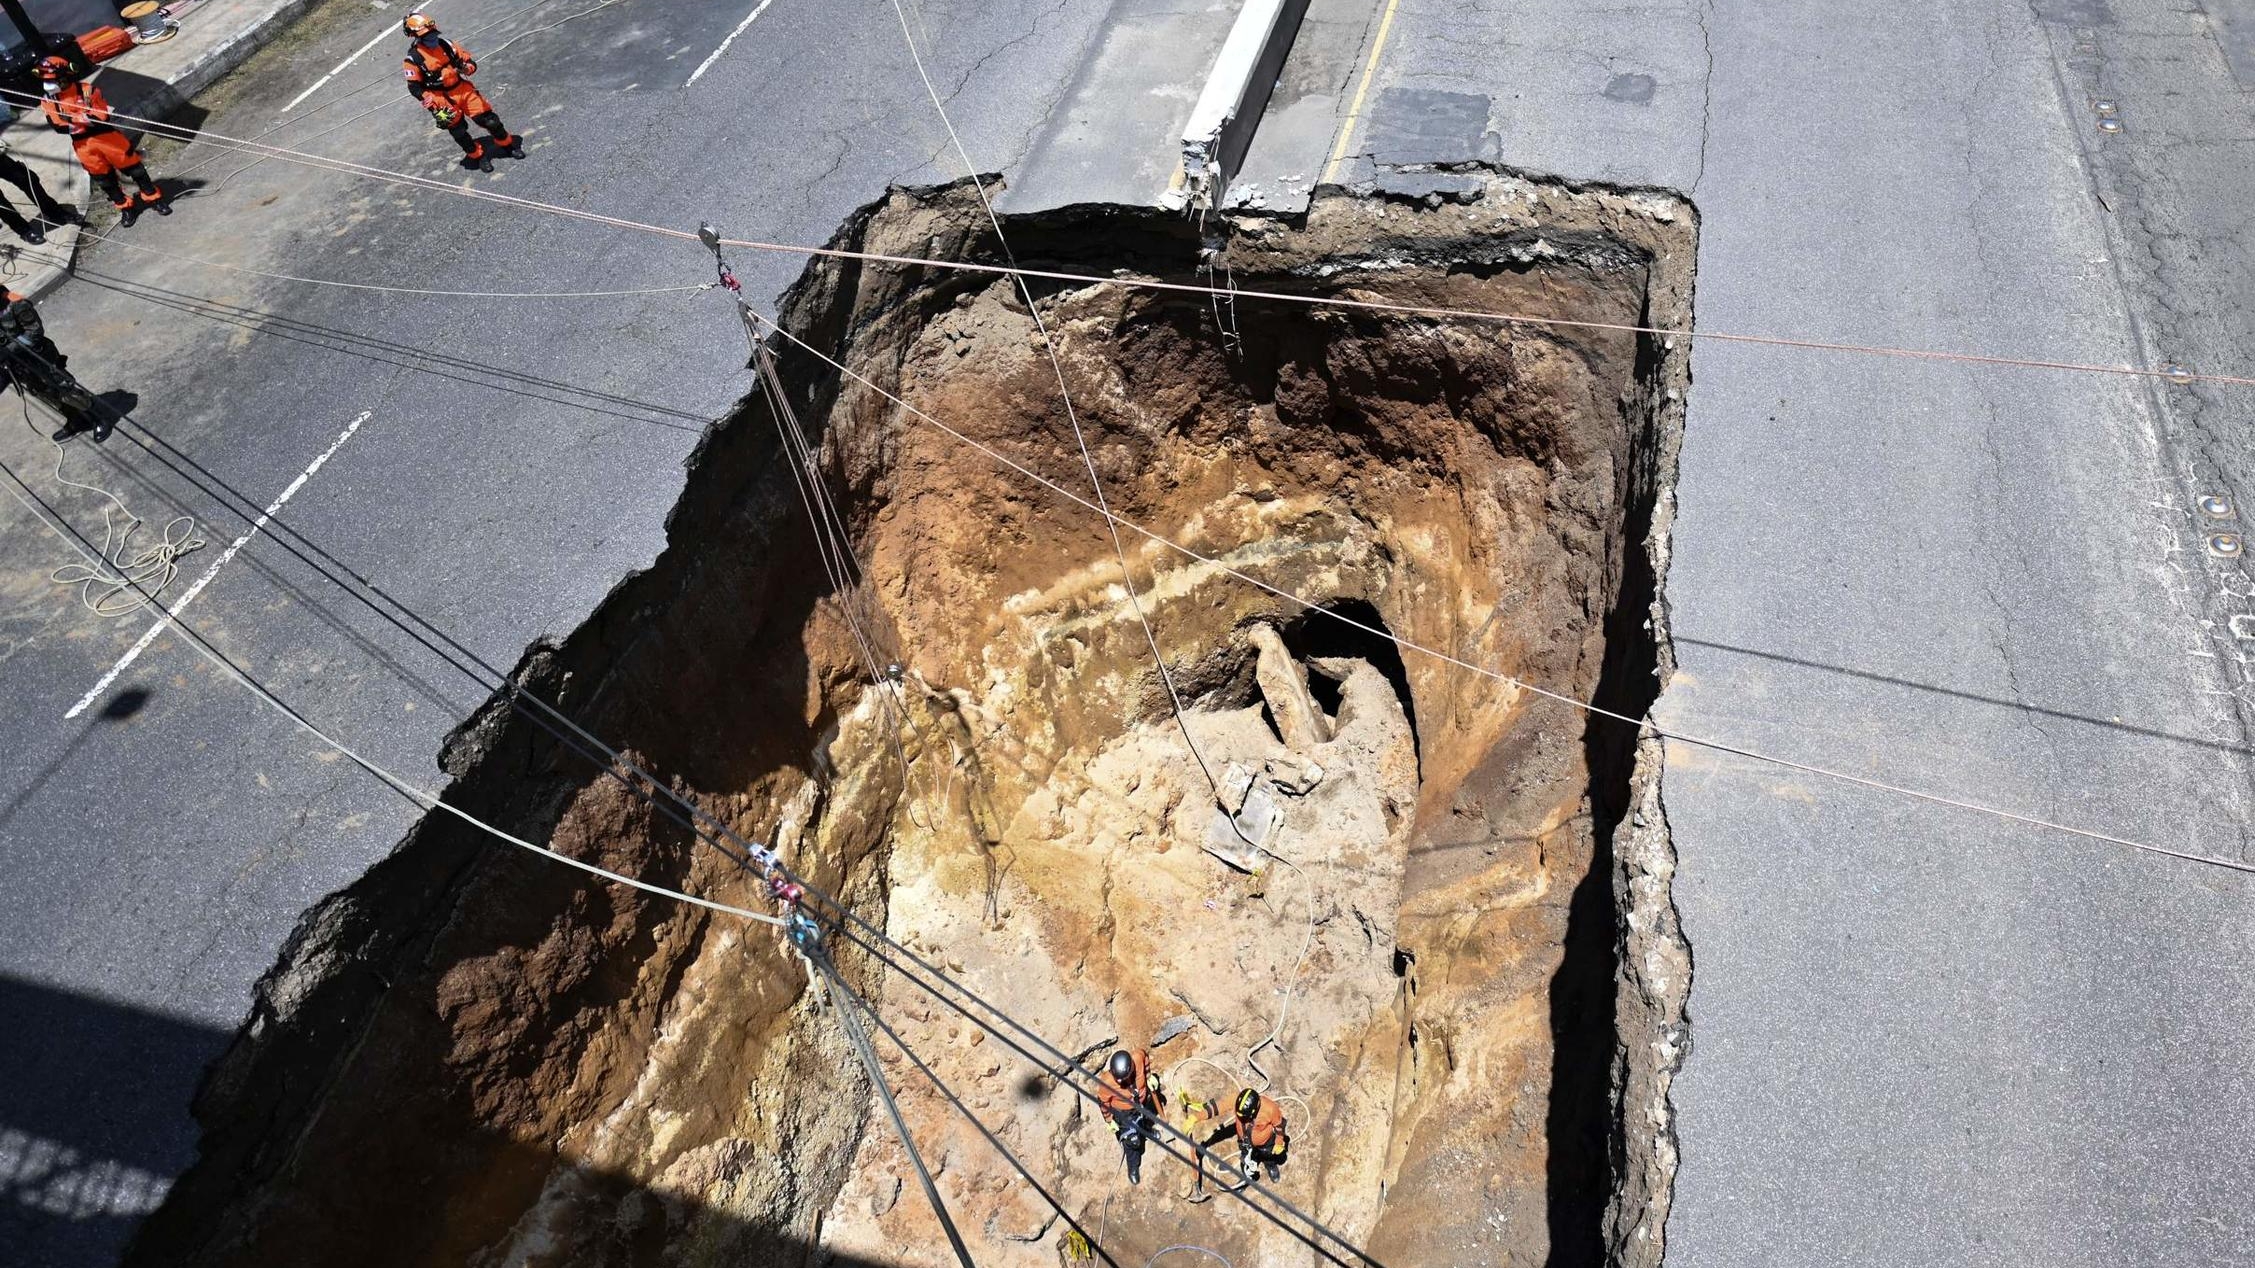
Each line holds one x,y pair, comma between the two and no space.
1241,839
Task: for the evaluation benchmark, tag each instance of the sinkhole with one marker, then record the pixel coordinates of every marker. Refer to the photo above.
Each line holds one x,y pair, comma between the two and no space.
474,1056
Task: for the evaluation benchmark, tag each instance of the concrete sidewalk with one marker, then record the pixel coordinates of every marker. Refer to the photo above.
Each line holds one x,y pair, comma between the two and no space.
150,81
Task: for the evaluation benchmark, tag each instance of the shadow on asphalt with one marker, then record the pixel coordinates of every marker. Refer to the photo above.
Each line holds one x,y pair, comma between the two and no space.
132,94
95,1123
121,706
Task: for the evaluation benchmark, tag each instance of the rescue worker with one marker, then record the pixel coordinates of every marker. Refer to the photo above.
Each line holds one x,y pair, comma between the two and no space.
80,110
438,75
54,214
35,366
1131,1099
1259,1128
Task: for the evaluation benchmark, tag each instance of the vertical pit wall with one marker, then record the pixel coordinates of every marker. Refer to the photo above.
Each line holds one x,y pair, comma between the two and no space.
1467,980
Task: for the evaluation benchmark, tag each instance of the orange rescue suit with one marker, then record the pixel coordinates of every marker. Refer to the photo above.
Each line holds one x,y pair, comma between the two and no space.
1267,1128
1119,1100
81,110
444,73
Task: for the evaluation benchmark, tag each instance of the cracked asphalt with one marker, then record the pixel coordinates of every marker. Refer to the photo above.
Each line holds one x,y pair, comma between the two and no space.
1921,1035
518,459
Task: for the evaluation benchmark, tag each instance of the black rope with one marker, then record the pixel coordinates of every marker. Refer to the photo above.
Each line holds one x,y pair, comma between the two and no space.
1066,1063
973,1119
616,766
858,1039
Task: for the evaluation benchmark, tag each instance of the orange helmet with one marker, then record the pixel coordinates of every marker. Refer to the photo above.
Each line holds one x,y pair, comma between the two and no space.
54,68
419,24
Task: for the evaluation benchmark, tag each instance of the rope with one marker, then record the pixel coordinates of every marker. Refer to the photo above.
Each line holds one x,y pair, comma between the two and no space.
39,509
1643,725
131,245
992,1139
406,356
146,575
221,183
858,1039
616,767
832,542
2173,374
1061,1063
1291,984
1276,1032
1072,416
1186,1246
54,521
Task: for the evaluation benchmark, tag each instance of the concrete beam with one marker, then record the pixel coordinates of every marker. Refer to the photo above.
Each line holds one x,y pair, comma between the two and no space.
1236,92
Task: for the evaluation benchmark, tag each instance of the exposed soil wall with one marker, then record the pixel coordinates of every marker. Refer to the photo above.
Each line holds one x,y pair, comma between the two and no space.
474,1056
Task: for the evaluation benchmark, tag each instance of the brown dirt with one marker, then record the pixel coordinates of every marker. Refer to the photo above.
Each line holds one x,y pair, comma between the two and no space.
563,1073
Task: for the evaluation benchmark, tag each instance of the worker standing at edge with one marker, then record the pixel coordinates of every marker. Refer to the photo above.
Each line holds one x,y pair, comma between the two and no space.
1259,1128
438,76
80,110
31,362
52,214
1131,1099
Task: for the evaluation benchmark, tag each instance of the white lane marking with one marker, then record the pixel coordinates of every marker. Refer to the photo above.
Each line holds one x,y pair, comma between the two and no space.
381,36
141,644
741,27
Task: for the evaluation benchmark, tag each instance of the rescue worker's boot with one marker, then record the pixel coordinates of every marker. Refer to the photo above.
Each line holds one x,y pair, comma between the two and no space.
152,198
22,228
473,150
76,421
127,212
513,146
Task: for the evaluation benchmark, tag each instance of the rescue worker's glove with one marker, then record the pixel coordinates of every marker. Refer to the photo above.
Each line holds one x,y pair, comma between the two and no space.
442,111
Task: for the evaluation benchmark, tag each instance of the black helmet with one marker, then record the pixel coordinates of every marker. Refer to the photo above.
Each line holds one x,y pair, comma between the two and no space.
1248,1103
1122,1067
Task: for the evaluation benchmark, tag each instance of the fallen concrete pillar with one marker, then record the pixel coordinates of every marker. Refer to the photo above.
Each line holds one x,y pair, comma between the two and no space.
1298,721
1236,92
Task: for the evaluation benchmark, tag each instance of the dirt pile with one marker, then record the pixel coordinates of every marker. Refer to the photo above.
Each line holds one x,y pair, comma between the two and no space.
478,1058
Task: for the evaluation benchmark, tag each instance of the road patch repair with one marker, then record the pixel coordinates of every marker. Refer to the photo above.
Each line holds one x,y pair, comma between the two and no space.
1422,907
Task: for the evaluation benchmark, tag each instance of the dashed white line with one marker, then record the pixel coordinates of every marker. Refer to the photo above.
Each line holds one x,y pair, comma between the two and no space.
141,644
381,36
741,27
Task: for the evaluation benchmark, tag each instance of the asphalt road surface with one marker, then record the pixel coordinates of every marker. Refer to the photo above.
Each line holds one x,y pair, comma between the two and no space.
512,460
1922,1035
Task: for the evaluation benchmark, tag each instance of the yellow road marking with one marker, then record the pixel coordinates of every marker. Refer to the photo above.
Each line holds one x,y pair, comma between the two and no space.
1354,109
